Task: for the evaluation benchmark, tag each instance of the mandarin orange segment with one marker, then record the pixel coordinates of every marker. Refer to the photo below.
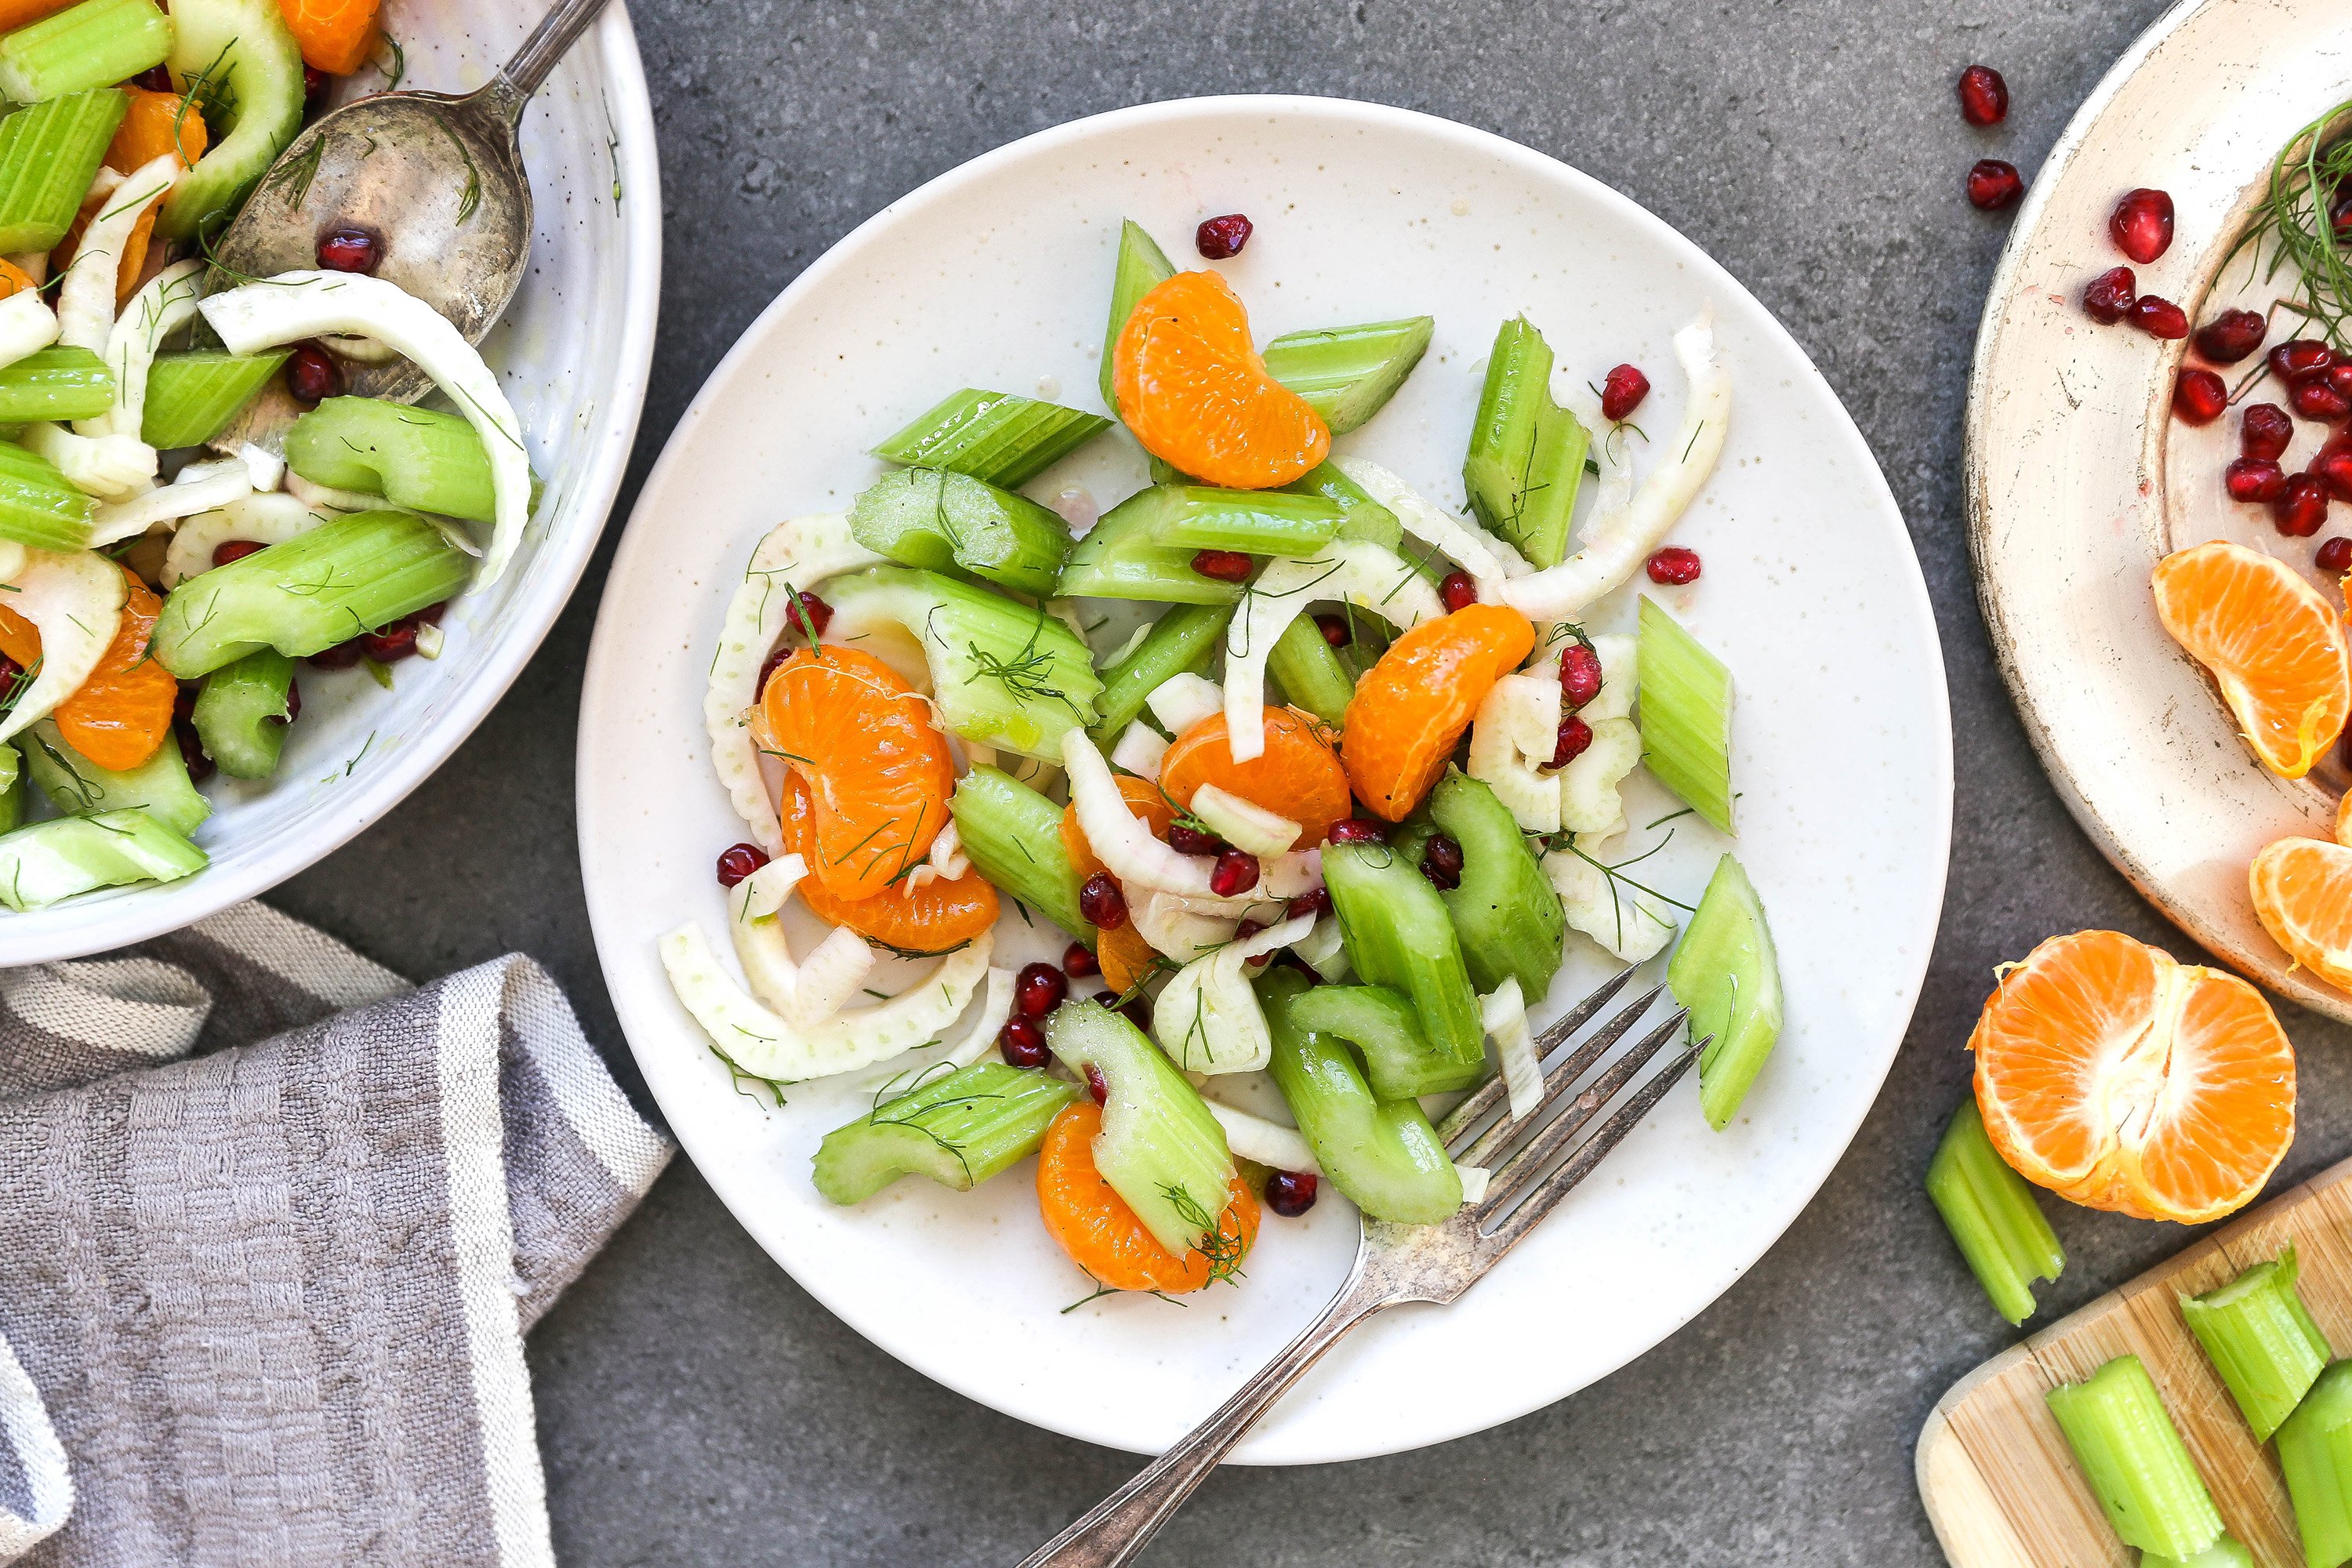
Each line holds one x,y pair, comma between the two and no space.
1410,709
1299,775
2344,819
1198,397
14,278
154,125
933,918
1124,955
2123,1080
336,36
2272,642
122,713
1100,1233
2302,890
879,772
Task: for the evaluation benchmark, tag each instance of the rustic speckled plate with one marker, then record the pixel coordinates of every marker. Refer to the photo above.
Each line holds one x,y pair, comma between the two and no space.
996,276
2079,481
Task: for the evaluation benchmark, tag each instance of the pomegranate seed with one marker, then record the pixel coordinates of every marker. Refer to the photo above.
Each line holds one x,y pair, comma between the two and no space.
158,78
1315,902
391,644
1078,962
350,250
1356,830
1102,903
2300,357
2302,510
343,655
1246,930
1137,1013
776,656
312,376
229,550
2332,466
2108,296
2159,318
1580,674
1575,734
1022,1044
1290,1193
2199,396
1235,874
1098,1084
1221,237
1187,840
2314,399
2142,224
1039,989
1224,565
1334,629
1457,591
1622,391
738,861
815,612
1440,862
293,702
2254,480
2266,431
313,81
192,752
1673,566
1984,96
2334,554
2231,336
2339,377
1994,184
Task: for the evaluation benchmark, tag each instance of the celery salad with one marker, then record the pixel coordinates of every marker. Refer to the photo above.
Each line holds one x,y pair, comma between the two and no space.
163,566
1318,777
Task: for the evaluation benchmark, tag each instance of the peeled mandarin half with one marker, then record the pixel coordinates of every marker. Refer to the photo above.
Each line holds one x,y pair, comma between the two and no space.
2123,1080
933,918
1197,396
2273,645
877,771
1410,709
2301,889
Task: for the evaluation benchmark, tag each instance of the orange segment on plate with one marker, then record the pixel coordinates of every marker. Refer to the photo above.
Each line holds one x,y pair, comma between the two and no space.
1410,709
122,713
2273,643
933,918
1198,397
2301,889
878,774
1299,775
1124,955
1100,1233
2123,1080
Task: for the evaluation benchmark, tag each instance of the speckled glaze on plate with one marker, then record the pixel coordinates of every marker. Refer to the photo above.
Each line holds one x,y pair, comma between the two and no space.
572,353
996,276
2079,480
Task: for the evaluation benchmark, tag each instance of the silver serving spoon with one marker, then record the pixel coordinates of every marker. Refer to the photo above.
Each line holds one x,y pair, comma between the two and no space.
437,180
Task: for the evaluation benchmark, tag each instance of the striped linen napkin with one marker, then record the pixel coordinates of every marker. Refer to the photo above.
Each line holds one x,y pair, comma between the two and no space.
272,1226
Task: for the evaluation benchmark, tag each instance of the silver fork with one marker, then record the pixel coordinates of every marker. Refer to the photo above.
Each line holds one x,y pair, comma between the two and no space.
1417,1262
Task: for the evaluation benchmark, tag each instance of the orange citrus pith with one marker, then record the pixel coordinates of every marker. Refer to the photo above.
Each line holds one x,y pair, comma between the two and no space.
1124,955
1298,775
122,713
1197,396
2123,1080
1412,707
878,774
1100,1233
933,918
2273,643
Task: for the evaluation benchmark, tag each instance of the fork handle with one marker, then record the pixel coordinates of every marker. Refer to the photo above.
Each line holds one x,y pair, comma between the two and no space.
1117,1526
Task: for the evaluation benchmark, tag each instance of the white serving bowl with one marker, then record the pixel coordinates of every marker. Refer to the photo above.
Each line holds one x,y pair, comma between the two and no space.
572,353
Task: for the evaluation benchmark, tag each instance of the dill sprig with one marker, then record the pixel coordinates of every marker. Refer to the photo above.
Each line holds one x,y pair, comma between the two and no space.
1221,1246
2294,222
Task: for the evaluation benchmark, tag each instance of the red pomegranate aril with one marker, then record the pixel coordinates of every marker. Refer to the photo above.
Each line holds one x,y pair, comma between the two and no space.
776,656
1580,674
1235,873
345,655
1290,1193
814,612
2332,466
2299,357
391,643
158,78
1994,184
1440,862
2142,224
738,861
2254,480
1078,962
1335,630
2199,396
229,550
1575,735
1097,1084
1315,902
312,376
1457,592
293,702
1101,901
1984,96
350,250
1673,566
2302,510
2314,399
1189,840
1224,565
2340,217
1356,830
2264,431
192,752
1219,238
2231,336
1039,989
2339,377
2107,297
2159,318
1622,391
1022,1044
1249,928
2334,554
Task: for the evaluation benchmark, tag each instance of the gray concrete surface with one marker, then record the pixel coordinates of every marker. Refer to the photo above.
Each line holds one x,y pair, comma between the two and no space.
696,1406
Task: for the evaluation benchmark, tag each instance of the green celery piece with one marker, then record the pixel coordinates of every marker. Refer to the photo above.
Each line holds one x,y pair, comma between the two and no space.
2315,1451
2226,1552
1363,518
1726,972
1505,911
1310,672
1013,836
69,855
1190,517
959,1130
1348,374
951,522
1526,454
1991,1212
12,789
1384,1156
1399,1061
994,437
38,505
57,384
1181,640
416,459
240,62
242,714
82,48
1685,717
1160,1148
160,786
192,397
1119,559
1399,934
2261,1339
1141,267
49,155
2115,1423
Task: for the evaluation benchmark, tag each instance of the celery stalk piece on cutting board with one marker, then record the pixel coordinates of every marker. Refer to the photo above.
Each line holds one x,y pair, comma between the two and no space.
2137,1466
2261,1339
2315,1452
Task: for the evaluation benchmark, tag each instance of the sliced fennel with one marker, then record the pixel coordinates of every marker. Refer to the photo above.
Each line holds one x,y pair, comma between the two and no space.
1325,951
1121,840
162,306
1183,699
1176,928
995,1009
1589,803
85,298
1350,571
108,467
1208,1019
326,497
1489,558
808,993
1253,1137
1503,1013
27,326
1512,742
75,601
1625,922
1287,875
263,518
201,488
1243,824
1139,751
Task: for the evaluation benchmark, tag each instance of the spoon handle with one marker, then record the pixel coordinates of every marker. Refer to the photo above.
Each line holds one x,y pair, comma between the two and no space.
557,32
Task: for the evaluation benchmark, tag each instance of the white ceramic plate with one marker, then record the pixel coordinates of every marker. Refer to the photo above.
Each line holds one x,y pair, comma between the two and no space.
996,276
2080,481
572,353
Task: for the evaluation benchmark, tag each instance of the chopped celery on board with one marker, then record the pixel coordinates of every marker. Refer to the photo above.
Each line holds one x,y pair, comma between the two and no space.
945,521
1685,718
993,437
1726,972
1181,640
1013,838
241,715
2227,1552
417,458
1141,267
160,786
69,856
93,45
49,155
1347,375
2261,1339
59,383
1161,1148
1527,453
38,505
2315,1452
2137,1466
1991,1212
958,1130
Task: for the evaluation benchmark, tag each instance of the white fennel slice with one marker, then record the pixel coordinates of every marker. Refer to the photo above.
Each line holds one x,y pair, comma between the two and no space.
995,1009
85,298
808,992
1121,840
1512,742
1139,750
74,599
1604,907
162,306
263,518
1208,1019
1490,560
1349,570
1183,699
27,325
1253,1137
1590,805
1503,1014
201,488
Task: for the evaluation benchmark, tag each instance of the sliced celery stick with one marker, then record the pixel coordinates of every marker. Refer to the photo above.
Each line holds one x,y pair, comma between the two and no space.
1400,936
192,397
73,854
1310,672
414,458
1119,558
12,789
2261,1339
2137,1466
1181,639
315,590
241,715
1190,518
1013,836
959,1130
93,45
1399,1061
1160,1148
951,522
1527,453
1726,972
1364,519
1506,915
1348,374
38,505
1142,267
2315,1450
57,384
49,155
77,786
994,437
239,60
1991,1212
1685,715
2225,1552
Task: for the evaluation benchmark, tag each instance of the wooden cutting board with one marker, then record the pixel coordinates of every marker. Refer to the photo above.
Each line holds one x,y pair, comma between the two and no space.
2000,1487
